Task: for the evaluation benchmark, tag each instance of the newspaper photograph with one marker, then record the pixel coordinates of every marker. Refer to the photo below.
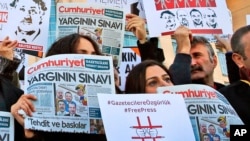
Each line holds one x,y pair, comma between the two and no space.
210,113
6,126
102,23
66,88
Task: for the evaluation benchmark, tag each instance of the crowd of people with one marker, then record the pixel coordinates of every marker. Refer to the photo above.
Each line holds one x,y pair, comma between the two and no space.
194,62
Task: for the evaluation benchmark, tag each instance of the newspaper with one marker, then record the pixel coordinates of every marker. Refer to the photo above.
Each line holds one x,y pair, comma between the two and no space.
104,24
207,109
6,126
66,87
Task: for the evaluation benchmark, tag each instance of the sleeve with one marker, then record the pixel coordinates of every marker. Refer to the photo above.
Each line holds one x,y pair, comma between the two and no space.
8,67
180,70
232,68
150,50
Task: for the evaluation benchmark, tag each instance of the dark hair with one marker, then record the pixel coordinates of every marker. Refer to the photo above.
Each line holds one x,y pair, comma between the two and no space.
213,11
136,79
202,40
67,45
167,12
38,2
194,10
236,41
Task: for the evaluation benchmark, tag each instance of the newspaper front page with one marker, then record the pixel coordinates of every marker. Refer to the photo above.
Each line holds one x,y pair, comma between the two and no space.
66,88
102,23
208,110
6,126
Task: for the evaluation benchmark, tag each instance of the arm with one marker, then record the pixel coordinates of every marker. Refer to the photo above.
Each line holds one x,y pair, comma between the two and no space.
180,69
8,63
148,49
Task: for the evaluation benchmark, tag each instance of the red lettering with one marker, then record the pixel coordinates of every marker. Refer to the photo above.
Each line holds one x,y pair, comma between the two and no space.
171,4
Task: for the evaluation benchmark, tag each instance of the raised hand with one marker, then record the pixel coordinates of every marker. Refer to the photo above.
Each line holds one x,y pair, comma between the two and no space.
7,48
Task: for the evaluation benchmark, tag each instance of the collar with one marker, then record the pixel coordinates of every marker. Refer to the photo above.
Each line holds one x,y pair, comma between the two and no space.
245,81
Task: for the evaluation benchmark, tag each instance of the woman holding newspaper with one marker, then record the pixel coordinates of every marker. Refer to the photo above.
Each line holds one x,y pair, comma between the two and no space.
71,44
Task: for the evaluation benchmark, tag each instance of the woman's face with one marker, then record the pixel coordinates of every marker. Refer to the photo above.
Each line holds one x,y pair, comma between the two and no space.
156,77
85,47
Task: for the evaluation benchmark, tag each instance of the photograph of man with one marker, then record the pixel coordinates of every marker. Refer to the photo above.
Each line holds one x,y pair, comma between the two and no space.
203,128
205,137
61,108
211,18
30,17
68,99
169,17
72,110
197,18
182,17
59,96
212,132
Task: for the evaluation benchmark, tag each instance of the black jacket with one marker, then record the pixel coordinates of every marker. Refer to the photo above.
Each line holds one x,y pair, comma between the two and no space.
10,95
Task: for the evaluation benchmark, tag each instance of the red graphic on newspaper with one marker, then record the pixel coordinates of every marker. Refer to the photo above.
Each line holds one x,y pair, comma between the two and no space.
171,4
146,131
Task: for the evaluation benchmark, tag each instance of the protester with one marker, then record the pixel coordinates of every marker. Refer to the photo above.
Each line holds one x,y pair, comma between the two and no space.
9,93
73,43
195,58
149,50
146,77
6,51
237,93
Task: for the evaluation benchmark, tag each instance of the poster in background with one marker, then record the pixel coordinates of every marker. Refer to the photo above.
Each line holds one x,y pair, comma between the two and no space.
130,58
29,27
203,17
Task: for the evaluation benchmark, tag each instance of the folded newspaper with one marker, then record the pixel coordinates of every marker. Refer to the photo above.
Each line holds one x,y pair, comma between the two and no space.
66,88
208,110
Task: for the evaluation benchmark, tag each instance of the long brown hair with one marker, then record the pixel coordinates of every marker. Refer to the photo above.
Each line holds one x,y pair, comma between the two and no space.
136,79
67,45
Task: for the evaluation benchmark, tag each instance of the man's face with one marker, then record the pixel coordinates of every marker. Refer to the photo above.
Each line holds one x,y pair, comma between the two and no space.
59,94
170,20
211,130
61,106
201,67
206,138
211,18
30,16
182,17
203,128
72,109
68,97
246,41
196,17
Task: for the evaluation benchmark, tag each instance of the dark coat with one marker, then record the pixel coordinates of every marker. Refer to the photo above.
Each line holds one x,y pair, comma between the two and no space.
10,95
